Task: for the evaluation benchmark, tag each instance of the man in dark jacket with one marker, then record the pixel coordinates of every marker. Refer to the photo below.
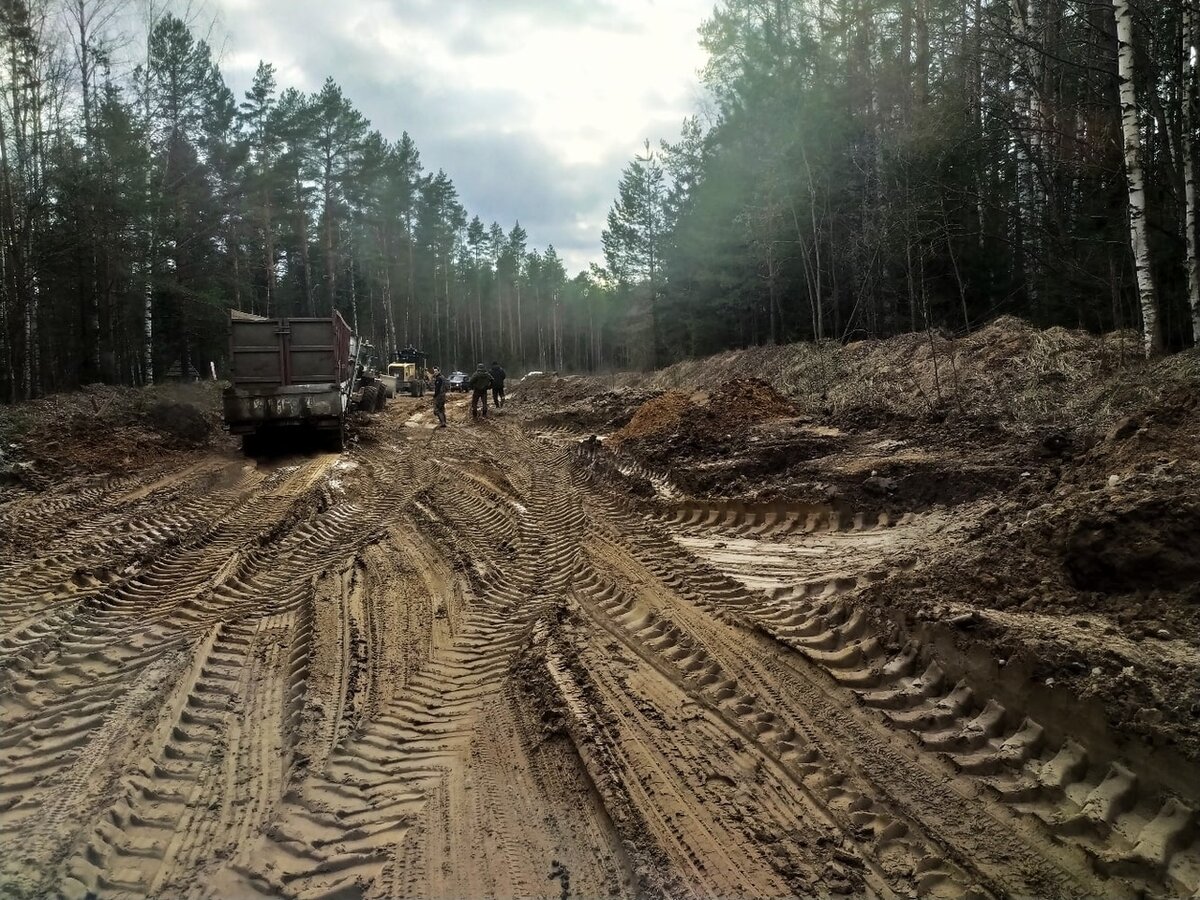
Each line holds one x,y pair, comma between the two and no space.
497,374
439,396
480,382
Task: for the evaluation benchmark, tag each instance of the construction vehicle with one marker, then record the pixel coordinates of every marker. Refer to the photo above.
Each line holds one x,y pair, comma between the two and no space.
410,371
303,373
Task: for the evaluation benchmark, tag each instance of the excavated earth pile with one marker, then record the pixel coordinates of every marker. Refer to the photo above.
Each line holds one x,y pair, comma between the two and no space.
105,430
516,659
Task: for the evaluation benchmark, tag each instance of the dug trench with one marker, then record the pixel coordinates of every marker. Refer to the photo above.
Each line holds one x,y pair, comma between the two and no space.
502,659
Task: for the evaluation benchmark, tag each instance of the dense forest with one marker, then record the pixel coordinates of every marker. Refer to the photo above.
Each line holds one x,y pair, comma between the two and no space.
135,211
874,166
863,167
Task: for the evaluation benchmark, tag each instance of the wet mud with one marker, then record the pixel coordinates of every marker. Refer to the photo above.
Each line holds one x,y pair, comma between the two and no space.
475,662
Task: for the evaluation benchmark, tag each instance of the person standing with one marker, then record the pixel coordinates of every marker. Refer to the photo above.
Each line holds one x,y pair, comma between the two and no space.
439,397
480,382
498,375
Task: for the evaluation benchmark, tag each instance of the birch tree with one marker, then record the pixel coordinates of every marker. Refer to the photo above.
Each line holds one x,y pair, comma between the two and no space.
1131,129
1188,101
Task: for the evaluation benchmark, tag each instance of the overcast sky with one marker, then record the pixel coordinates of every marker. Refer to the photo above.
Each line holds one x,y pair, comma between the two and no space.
532,107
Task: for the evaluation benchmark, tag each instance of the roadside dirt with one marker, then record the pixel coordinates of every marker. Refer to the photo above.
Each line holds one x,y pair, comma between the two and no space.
106,430
510,659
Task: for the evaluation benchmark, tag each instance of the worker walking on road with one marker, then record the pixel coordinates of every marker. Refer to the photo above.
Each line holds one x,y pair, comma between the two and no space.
497,373
480,382
439,396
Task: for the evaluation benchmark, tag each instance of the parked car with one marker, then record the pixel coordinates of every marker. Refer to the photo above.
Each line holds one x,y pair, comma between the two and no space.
458,381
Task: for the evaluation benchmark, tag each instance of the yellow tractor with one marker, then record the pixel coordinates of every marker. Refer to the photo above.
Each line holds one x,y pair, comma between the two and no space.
409,378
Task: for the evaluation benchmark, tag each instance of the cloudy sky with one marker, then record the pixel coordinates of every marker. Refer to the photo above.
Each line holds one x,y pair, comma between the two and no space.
531,106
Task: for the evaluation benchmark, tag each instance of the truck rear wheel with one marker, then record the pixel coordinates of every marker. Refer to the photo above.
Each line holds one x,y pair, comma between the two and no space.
251,444
380,398
336,439
367,403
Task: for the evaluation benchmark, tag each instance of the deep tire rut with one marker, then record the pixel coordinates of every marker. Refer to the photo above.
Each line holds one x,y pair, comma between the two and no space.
470,662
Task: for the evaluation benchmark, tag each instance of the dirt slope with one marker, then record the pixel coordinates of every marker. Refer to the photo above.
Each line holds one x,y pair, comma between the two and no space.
496,661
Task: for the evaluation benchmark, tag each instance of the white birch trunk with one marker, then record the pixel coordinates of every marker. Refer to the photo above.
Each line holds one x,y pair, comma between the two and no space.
1151,339
388,308
353,292
148,325
1189,163
1028,139
29,351
148,296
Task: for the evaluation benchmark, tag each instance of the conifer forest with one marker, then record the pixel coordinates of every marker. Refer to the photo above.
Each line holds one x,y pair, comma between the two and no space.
859,168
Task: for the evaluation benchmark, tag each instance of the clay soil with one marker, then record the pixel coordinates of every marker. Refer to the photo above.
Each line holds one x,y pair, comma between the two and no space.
768,633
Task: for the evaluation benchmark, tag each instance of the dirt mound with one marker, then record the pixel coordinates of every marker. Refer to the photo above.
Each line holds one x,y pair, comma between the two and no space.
185,422
745,422
552,391
599,412
105,429
1139,543
1007,374
749,400
732,407
656,417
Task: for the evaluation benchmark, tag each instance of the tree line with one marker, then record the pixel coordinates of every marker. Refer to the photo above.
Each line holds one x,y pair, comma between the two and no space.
869,167
863,168
136,208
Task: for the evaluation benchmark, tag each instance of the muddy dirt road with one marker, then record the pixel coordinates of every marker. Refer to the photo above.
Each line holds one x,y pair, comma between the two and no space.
467,663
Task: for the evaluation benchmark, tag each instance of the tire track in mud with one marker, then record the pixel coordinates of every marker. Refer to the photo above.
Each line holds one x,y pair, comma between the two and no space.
102,633
702,813
255,565
1142,842
344,825
211,782
37,516
1127,829
82,507
1130,826
522,809
456,663
89,662
263,597
107,550
750,705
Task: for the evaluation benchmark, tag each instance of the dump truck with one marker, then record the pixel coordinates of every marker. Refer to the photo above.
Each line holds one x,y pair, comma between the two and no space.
302,373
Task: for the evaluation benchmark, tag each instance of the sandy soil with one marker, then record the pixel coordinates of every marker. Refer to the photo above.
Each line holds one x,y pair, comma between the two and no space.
499,660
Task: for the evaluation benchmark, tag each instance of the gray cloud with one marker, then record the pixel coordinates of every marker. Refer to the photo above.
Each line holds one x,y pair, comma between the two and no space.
471,81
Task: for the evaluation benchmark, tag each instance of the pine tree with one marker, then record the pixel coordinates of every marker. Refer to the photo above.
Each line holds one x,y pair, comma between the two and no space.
633,241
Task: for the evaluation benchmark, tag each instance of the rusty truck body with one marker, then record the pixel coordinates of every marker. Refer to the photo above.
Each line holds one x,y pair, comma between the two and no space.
298,372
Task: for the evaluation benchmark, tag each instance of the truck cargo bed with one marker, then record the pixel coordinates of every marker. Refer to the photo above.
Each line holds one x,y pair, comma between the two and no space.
288,372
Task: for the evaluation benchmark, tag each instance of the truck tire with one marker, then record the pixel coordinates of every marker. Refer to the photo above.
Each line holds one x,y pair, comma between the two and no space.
251,444
380,398
367,403
336,438
413,390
